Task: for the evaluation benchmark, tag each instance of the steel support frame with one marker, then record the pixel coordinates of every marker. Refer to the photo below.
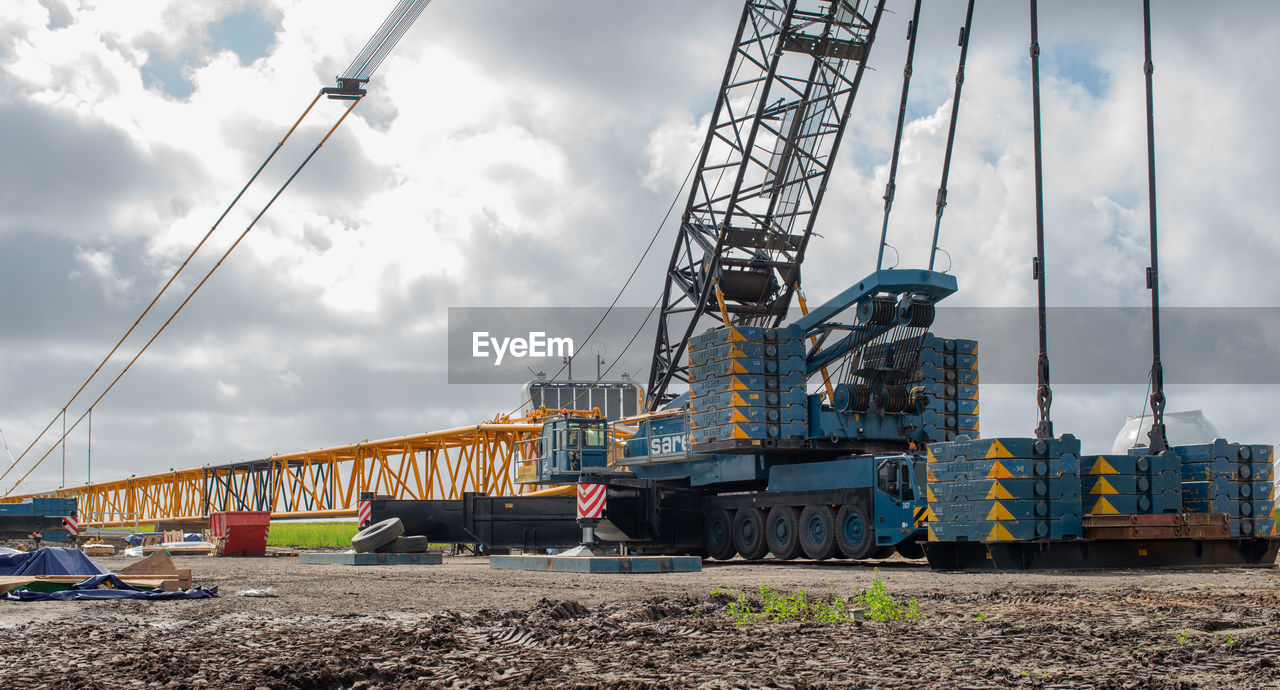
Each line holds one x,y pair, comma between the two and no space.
321,483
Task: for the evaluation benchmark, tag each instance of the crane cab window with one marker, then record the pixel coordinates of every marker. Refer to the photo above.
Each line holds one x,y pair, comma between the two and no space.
893,477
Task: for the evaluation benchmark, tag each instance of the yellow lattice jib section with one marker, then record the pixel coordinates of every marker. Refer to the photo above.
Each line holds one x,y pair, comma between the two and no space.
323,483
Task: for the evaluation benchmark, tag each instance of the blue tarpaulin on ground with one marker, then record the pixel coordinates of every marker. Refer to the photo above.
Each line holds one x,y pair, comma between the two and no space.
51,560
135,539
88,590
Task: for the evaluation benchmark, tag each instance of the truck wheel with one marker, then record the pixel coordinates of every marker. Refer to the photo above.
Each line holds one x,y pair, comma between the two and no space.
748,534
910,549
380,534
854,531
781,534
817,532
717,535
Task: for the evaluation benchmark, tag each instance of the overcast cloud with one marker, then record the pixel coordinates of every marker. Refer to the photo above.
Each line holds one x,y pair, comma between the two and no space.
520,154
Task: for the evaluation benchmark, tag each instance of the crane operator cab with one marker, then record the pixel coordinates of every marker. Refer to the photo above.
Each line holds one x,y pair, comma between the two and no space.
568,447
899,499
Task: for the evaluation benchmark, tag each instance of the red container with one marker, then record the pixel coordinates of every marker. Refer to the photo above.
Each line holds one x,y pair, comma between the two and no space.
243,532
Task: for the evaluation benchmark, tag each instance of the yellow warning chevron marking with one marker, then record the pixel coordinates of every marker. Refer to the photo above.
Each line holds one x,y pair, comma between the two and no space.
736,384
737,400
919,513
1103,487
739,433
737,368
997,450
739,417
1104,507
999,533
735,336
1101,466
736,351
975,411
928,515
999,512
932,536
929,475
998,470
932,498
999,492
928,454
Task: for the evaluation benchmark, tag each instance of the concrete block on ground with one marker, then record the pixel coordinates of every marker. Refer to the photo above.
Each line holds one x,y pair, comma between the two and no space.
371,558
598,564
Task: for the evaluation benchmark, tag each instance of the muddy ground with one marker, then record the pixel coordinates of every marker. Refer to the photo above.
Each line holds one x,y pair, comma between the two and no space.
463,625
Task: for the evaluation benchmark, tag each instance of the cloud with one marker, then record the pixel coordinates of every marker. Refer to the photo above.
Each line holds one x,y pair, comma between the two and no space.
510,154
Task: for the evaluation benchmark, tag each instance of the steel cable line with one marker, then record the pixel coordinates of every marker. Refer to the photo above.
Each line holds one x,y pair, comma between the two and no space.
657,231
402,17
941,203
193,292
166,286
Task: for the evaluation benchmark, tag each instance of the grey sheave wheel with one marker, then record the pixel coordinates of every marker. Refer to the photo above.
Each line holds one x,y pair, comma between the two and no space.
415,544
379,534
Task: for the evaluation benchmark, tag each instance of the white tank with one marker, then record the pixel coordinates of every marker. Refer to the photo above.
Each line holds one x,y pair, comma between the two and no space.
1181,428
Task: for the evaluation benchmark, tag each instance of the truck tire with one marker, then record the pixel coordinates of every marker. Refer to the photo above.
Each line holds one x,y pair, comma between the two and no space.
817,532
854,531
781,533
378,534
748,534
717,535
415,544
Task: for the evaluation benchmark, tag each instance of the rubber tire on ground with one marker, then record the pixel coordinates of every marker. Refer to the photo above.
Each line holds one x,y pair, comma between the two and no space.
717,535
378,534
415,544
910,549
748,534
817,532
781,532
855,535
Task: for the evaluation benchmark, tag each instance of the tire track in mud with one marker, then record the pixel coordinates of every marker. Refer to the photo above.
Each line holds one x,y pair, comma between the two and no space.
1112,637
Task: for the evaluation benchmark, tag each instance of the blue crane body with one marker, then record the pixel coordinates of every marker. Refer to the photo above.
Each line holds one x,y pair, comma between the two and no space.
771,461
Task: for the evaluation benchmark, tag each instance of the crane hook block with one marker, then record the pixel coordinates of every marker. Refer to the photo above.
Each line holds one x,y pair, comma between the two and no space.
346,90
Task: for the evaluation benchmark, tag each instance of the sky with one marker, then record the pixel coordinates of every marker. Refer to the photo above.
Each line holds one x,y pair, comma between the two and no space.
519,154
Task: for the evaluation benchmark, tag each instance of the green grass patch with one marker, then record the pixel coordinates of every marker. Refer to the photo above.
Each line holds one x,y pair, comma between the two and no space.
311,535
875,602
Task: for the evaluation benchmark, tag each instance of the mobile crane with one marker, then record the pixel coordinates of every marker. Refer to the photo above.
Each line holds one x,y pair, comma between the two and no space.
884,455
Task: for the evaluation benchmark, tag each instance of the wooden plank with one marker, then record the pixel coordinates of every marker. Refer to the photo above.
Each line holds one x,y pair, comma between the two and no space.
10,582
181,550
158,564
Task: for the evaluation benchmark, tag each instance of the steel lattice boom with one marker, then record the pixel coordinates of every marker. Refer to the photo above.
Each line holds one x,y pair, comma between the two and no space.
320,483
777,124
